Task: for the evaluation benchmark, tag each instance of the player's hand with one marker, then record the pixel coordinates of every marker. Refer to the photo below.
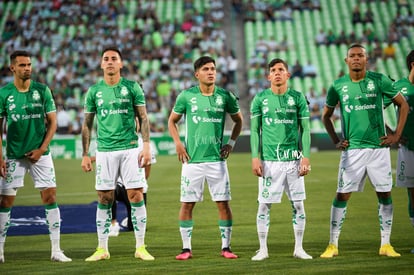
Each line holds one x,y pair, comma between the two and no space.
34,155
225,151
389,139
304,167
342,144
144,158
86,164
257,167
2,168
182,155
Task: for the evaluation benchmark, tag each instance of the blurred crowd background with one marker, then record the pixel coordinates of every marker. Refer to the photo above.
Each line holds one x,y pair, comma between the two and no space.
160,39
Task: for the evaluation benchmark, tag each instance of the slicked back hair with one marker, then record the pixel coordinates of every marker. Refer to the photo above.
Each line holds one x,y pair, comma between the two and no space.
114,49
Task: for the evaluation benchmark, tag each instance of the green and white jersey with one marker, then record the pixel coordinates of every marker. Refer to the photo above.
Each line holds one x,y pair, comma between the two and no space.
204,121
280,117
361,105
114,110
406,88
25,114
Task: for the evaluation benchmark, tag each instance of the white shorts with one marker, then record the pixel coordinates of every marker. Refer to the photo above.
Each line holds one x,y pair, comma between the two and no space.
279,176
42,173
194,175
153,158
405,167
122,164
357,164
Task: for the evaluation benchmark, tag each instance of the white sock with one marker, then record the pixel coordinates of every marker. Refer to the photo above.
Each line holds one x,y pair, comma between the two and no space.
225,232
385,213
337,219
263,223
103,222
53,221
4,226
299,222
139,222
186,231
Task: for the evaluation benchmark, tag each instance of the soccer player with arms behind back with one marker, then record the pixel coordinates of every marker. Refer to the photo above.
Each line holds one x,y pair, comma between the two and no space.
279,122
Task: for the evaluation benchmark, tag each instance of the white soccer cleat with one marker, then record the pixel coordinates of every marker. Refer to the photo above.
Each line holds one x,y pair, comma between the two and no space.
301,254
58,256
260,255
114,230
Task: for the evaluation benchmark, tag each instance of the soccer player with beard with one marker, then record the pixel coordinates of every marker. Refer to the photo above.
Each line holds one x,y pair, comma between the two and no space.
117,102
26,105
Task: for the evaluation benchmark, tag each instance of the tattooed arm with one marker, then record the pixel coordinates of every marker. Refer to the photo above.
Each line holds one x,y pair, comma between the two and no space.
145,155
86,140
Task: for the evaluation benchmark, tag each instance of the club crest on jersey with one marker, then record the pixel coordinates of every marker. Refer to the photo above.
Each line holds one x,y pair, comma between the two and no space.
291,101
36,95
124,91
370,86
219,100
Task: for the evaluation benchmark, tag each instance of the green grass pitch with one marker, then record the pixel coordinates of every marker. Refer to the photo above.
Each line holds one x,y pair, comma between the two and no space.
358,245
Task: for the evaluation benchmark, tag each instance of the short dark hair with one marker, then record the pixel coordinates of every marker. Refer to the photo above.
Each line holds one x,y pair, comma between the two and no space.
112,48
410,59
18,53
355,46
276,61
203,60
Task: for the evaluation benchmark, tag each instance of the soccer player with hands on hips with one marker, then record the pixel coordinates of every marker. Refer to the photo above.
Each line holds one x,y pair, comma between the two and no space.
405,160
364,143
203,153
26,105
279,122
117,102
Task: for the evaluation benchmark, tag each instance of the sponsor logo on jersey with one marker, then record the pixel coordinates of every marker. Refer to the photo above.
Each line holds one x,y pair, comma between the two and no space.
10,99
105,112
350,108
269,121
198,119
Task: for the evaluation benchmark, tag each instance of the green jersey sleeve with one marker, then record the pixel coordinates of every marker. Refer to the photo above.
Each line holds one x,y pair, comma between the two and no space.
332,97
